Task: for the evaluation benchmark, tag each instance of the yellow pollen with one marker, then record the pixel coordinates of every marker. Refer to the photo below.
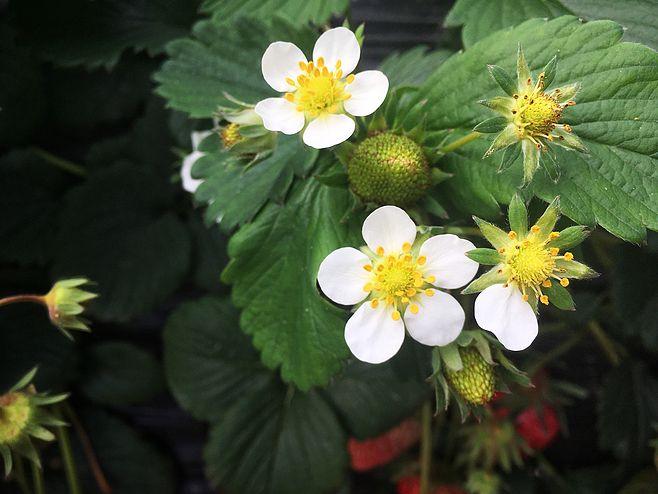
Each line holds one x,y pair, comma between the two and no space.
290,81
374,303
430,279
320,62
368,267
554,235
421,260
350,79
512,235
554,251
396,315
535,229
414,308
568,256
525,297
406,247
290,97
544,299
547,284
501,250
380,251
338,64
530,264
318,91
429,292
564,282
368,287
536,113
303,67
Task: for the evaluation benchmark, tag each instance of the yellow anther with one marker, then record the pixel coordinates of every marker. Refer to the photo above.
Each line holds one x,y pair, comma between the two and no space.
406,247
310,67
399,293
430,279
411,292
367,287
564,282
302,66
554,235
302,80
368,267
396,315
544,299
290,81
380,251
546,284
325,71
350,79
501,250
290,97
405,300
429,292
567,127
338,64
568,256
380,268
512,234
535,229
414,308
554,251
524,297
339,74
421,260
320,62
390,300
374,303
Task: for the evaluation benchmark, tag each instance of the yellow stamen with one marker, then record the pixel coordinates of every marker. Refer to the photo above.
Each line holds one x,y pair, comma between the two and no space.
535,229
380,251
350,79
320,62
547,284
525,297
368,267
374,303
414,308
564,282
554,235
396,315
406,247
429,292
568,256
421,260
512,234
544,299
554,251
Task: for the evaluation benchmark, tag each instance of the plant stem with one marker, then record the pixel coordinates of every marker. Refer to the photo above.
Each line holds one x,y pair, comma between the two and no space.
604,341
463,230
94,465
61,163
38,299
426,449
459,142
69,463
19,473
37,479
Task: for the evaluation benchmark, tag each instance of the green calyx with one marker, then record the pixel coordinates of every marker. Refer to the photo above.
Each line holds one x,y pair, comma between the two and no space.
15,412
389,169
476,381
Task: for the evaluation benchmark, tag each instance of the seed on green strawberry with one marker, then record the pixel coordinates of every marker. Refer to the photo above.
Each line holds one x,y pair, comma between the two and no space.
475,382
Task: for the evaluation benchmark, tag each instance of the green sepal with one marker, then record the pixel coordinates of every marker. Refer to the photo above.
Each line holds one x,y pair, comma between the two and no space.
517,214
575,269
512,372
549,71
344,152
334,178
451,358
568,140
25,380
507,137
487,257
559,296
510,155
530,160
499,104
434,207
438,175
494,276
503,79
547,221
570,237
496,237
522,70
564,93
491,125
5,452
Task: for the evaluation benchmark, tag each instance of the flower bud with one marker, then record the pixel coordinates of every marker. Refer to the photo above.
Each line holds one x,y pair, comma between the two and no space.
65,304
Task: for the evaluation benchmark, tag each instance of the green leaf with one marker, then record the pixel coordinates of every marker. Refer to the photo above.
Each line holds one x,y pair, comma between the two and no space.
119,373
273,268
116,229
637,16
628,402
616,118
217,61
272,444
296,11
235,192
210,364
94,34
480,18
373,398
518,215
411,68
485,256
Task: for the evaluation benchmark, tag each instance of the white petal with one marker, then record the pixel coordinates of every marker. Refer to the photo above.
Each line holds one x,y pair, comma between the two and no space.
388,227
280,115
190,184
372,335
338,44
367,91
503,312
439,320
281,61
447,260
342,277
328,130
198,136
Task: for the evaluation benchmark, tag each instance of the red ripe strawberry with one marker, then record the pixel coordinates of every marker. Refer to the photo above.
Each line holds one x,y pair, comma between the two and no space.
538,429
383,449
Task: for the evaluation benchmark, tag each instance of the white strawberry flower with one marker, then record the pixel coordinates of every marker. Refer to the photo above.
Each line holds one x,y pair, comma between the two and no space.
320,94
191,184
396,281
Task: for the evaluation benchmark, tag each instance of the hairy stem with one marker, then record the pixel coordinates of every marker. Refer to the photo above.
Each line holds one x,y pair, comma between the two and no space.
69,463
604,341
37,479
459,142
61,163
14,299
426,449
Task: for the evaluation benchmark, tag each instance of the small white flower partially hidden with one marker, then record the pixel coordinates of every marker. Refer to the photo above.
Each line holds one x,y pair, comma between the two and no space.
319,94
399,278
191,184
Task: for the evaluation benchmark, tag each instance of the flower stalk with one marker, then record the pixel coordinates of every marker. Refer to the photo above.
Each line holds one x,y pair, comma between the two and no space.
426,449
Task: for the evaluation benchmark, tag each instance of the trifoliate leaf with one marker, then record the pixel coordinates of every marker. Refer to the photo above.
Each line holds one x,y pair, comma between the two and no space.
218,61
482,17
615,116
235,190
296,11
117,229
273,269
411,68
119,373
637,16
94,34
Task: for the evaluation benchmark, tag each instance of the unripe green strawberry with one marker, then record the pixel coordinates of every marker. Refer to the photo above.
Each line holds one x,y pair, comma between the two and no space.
475,382
15,411
389,169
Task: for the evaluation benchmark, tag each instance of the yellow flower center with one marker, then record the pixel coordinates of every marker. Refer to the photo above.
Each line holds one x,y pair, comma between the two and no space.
529,263
535,113
15,411
397,279
319,91
231,135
